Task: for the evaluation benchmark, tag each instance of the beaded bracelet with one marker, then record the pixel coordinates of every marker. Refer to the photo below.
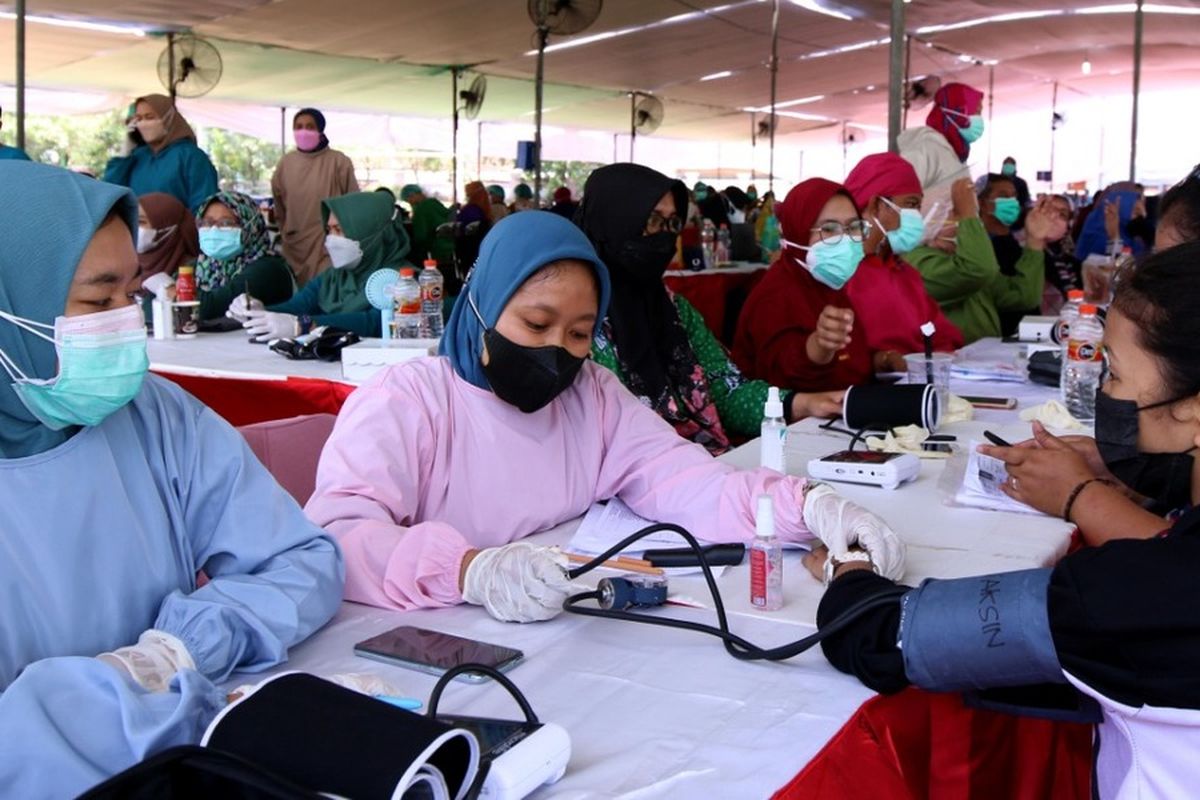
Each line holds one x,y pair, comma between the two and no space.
1066,515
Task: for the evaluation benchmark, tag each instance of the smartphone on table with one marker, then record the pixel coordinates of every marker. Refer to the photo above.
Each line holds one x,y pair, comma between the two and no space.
435,652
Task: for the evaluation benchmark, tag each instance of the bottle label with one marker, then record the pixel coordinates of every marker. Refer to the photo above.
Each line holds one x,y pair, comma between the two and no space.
772,453
758,577
1084,350
185,287
431,293
1062,331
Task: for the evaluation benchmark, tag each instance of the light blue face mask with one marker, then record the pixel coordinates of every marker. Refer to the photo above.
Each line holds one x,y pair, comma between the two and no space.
911,231
221,243
102,362
1007,210
974,130
831,264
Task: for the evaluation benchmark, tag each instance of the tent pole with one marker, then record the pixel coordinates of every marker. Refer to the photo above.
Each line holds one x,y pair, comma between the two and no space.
543,35
479,150
454,137
632,123
896,74
1137,88
991,107
753,146
774,76
282,131
21,74
1053,131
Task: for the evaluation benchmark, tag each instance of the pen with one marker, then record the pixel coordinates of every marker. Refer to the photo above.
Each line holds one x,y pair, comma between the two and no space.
996,440
628,564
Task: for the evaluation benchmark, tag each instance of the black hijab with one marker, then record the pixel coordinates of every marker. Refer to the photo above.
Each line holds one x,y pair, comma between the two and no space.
646,331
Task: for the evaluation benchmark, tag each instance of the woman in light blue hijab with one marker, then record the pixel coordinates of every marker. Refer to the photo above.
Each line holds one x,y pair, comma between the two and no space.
117,489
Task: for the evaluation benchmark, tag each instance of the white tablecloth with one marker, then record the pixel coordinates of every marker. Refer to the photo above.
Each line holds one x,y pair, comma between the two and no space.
659,713
232,355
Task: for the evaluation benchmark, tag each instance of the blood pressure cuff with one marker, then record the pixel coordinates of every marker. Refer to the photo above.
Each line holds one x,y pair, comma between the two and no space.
979,632
337,741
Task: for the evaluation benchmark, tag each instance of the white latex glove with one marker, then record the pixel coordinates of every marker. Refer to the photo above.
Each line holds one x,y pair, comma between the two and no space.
518,582
264,326
153,661
157,285
241,307
839,523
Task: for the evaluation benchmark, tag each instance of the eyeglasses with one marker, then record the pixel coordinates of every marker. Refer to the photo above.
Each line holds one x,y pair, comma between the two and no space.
832,232
223,224
657,223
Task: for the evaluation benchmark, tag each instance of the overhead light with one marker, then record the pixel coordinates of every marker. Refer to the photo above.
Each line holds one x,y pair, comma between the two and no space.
966,59
600,37
716,76
800,102
1086,66
871,88
812,5
79,24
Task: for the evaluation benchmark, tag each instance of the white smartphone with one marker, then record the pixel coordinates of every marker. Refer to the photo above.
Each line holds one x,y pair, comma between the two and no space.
435,652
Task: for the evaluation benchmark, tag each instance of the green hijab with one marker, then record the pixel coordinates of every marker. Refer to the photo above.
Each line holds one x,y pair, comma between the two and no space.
370,219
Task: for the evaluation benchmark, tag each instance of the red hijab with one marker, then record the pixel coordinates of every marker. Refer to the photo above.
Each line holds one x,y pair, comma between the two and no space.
965,102
798,213
177,242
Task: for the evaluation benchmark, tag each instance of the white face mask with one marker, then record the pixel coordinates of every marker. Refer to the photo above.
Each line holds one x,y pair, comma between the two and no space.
150,238
343,253
145,240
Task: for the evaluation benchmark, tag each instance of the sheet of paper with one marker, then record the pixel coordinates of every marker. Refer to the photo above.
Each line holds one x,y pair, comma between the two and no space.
982,481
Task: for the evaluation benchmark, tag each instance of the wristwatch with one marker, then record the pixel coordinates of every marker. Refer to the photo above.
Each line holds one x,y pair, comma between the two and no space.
833,562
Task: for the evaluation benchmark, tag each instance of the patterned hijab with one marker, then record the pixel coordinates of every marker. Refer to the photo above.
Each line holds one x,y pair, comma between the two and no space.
655,355
212,273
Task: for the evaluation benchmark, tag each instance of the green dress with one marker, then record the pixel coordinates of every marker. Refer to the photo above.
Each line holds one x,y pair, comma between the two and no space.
739,401
969,286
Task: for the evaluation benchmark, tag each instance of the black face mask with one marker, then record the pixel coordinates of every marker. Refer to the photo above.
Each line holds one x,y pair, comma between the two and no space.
528,377
1165,478
646,258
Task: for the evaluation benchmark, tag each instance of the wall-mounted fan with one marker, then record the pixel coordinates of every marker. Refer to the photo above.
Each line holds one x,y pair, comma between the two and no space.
645,115
189,66
920,92
467,102
561,18
379,294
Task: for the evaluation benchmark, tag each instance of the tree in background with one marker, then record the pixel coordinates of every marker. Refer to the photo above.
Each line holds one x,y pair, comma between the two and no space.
83,143
572,174
244,163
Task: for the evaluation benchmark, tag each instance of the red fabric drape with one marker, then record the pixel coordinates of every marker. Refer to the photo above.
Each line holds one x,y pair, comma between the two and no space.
918,744
718,296
244,402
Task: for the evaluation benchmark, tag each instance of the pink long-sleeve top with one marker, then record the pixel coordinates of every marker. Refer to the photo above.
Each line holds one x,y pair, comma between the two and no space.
422,467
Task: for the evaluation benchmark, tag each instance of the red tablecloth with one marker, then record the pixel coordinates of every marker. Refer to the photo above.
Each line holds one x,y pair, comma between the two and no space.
919,744
717,294
243,402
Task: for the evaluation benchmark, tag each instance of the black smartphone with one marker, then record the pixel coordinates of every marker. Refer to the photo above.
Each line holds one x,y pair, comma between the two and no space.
861,457
435,652
996,440
1005,403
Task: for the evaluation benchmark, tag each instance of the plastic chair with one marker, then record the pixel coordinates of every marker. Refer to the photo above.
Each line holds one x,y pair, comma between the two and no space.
290,450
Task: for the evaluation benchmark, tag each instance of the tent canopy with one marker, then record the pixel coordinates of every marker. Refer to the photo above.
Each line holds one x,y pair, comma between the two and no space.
387,56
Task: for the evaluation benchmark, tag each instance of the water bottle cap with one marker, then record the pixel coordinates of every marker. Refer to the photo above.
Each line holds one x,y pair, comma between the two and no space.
1087,308
407,272
431,263
1075,294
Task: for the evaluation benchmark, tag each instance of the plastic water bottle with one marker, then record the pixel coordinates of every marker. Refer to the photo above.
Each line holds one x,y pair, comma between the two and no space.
766,559
723,244
431,284
407,294
708,244
773,436
1085,361
1068,314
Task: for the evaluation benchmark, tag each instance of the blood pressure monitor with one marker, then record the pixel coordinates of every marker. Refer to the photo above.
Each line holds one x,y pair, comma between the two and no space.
888,470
